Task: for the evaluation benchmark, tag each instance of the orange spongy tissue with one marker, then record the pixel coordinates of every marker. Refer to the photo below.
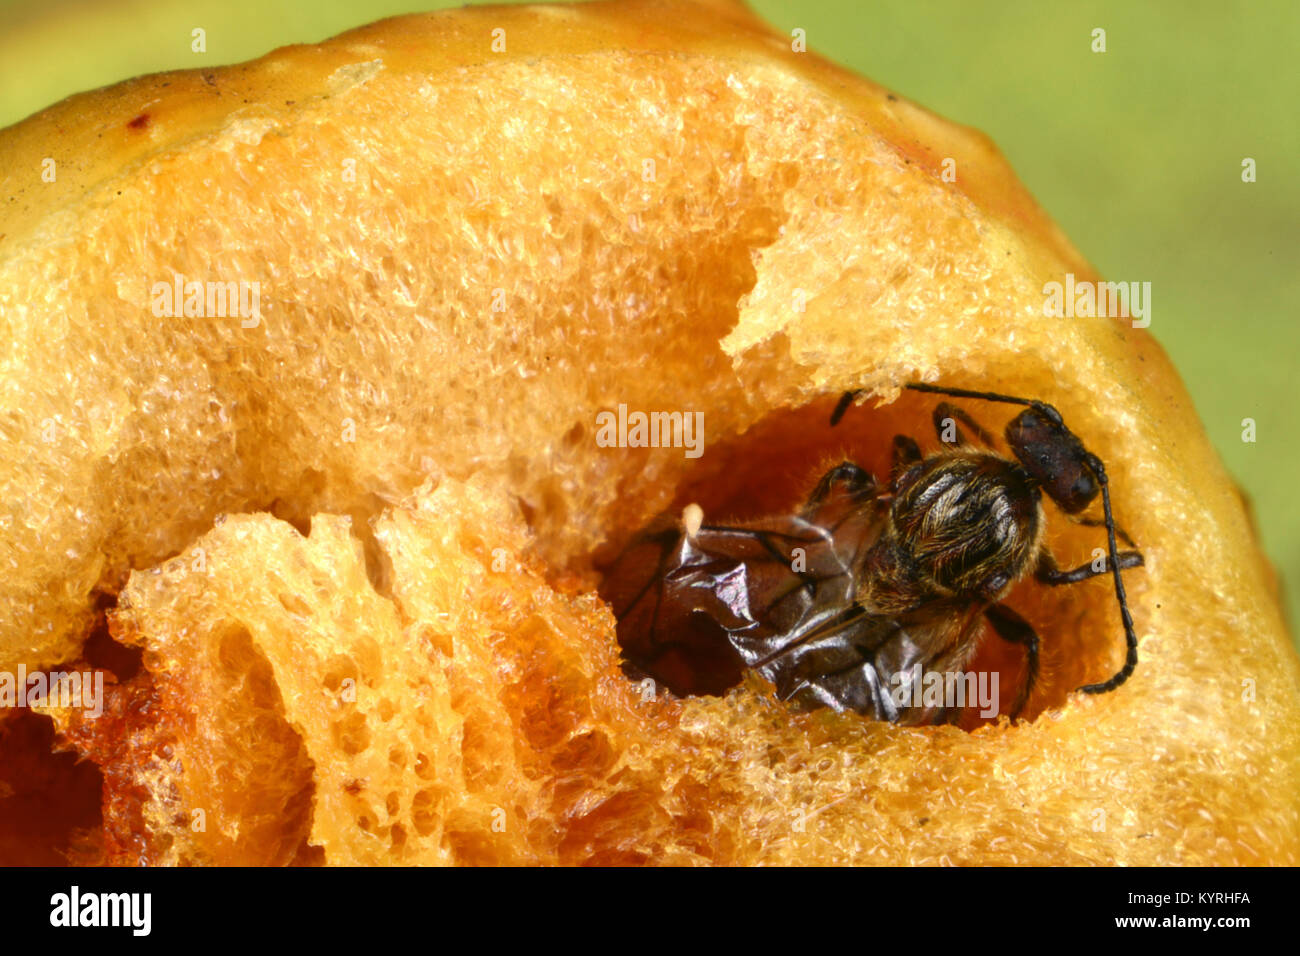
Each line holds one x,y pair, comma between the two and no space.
358,534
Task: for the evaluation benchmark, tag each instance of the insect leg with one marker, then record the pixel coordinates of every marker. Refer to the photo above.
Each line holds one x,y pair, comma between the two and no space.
842,406
857,482
946,416
1101,523
1049,573
1130,635
906,453
1014,629
1053,442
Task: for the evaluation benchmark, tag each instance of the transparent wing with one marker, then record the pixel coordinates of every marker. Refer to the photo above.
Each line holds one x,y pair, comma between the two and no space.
695,611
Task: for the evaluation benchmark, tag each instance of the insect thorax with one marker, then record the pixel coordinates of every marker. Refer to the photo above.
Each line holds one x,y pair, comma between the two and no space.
967,523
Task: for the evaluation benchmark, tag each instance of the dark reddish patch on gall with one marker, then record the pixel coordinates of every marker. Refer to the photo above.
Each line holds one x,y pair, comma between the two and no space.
140,122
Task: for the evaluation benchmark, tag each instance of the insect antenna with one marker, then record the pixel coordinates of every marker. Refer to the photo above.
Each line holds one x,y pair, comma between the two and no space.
848,399
1093,463
1090,461
984,396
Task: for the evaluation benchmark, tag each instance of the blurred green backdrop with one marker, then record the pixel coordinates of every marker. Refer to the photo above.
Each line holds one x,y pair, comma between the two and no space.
1137,152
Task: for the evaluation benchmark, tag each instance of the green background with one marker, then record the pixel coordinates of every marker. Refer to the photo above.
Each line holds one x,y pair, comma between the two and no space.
1136,152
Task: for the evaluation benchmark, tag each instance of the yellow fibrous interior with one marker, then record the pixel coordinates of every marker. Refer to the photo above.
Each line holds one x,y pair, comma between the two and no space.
449,298
355,535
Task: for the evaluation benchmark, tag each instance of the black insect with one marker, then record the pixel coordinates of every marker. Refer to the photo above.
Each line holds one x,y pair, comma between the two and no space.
847,602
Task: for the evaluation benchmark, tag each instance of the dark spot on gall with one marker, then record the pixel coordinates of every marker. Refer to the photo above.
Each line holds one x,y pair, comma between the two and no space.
140,122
